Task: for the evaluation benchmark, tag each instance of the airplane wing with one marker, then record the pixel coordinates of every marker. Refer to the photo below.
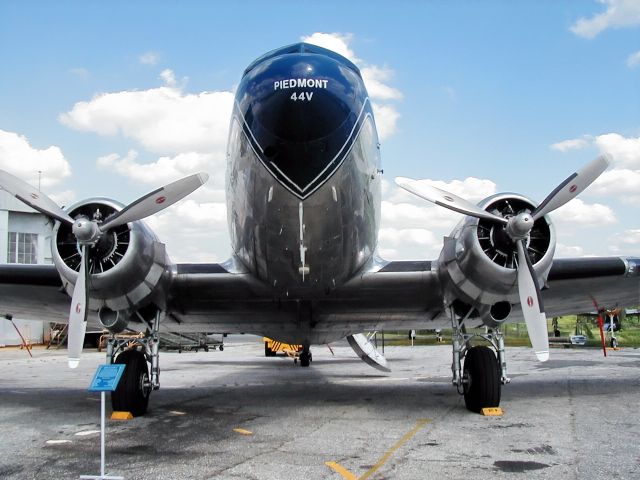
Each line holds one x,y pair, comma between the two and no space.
401,294
575,282
33,292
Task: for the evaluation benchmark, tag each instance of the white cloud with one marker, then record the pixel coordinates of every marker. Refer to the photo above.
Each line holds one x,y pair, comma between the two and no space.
619,14
386,117
633,60
622,179
472,189
407,215
63,198
149,58
625,243
163,120
413,228
376,79
625,151
188,134
164,169
568,251
202,235
578,213
18,157
572,144
619,182
338,42
409,243
168,77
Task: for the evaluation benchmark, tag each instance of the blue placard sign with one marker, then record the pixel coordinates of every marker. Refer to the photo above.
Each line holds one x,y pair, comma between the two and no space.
107,377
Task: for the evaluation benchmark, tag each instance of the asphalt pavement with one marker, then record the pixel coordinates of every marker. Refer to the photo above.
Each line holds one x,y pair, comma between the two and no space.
239,415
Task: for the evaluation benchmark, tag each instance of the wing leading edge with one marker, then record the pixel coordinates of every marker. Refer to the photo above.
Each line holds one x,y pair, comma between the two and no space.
575,282
401,294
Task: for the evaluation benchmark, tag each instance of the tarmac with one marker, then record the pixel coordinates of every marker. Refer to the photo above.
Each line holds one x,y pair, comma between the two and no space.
237,414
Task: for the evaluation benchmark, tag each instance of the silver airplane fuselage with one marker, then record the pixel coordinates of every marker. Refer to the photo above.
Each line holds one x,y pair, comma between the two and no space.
303,172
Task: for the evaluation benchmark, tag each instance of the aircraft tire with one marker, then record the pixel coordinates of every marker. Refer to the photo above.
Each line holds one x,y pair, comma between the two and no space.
132,395
483,374
305,358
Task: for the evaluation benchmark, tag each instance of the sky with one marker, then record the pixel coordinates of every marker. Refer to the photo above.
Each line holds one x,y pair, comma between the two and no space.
114,99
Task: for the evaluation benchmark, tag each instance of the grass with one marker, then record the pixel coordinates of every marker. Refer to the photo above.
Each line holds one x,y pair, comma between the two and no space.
516,333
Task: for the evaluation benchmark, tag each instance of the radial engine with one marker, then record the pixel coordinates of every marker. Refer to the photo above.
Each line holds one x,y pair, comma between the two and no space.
127,265
478,263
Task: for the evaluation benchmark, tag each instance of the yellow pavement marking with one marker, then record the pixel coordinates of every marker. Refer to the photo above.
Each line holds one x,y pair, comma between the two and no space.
407,436
242,431
336,467
347,475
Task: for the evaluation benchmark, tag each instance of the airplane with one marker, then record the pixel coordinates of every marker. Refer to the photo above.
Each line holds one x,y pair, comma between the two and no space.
303,186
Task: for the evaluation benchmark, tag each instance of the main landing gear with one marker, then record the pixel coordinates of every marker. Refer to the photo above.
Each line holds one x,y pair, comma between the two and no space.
305,357
483,375
137,382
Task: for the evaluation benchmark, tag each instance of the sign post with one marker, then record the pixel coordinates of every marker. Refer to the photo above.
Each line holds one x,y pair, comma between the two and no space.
105,380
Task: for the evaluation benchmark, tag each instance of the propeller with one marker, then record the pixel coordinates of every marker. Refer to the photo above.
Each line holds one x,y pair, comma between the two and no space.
88,232
78,313
518,228
32,197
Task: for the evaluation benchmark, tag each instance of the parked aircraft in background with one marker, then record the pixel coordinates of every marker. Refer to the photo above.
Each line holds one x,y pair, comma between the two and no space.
303,202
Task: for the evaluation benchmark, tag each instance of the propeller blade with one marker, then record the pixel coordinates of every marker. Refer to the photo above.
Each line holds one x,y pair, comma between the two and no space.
446,199
572,186
531,302
155,201
32,197
78,313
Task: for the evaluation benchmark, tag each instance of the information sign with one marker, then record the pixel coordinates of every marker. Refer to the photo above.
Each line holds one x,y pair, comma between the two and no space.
107,377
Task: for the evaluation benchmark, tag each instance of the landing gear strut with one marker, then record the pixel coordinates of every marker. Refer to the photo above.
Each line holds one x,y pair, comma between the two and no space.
136,384
483,375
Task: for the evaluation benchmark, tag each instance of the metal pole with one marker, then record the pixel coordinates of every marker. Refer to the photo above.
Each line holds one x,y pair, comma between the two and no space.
24,342
102,414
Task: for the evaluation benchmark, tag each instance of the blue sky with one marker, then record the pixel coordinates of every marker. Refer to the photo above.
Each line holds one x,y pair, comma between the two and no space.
481,92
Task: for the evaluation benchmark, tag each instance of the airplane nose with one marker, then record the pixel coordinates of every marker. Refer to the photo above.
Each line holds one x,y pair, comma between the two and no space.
301,111
300,104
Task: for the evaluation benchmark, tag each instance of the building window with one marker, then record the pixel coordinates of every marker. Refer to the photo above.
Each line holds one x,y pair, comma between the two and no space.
23,248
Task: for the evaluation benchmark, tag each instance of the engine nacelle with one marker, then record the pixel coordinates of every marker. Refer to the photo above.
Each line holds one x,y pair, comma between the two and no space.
128,267
477,265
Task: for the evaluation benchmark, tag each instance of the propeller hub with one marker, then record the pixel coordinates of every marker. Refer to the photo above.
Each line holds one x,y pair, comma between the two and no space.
86,231
519,226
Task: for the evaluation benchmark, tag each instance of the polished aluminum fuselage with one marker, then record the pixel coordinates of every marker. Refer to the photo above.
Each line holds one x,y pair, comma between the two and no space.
339,221
303,172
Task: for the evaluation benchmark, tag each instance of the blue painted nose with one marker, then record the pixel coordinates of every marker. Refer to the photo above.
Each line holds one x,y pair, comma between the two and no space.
302,106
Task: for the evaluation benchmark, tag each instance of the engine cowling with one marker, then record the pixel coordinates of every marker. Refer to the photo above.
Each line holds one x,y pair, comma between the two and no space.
128,267
478,262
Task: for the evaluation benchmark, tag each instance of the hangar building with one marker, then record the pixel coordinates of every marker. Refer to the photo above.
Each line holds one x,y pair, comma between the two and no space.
25,237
